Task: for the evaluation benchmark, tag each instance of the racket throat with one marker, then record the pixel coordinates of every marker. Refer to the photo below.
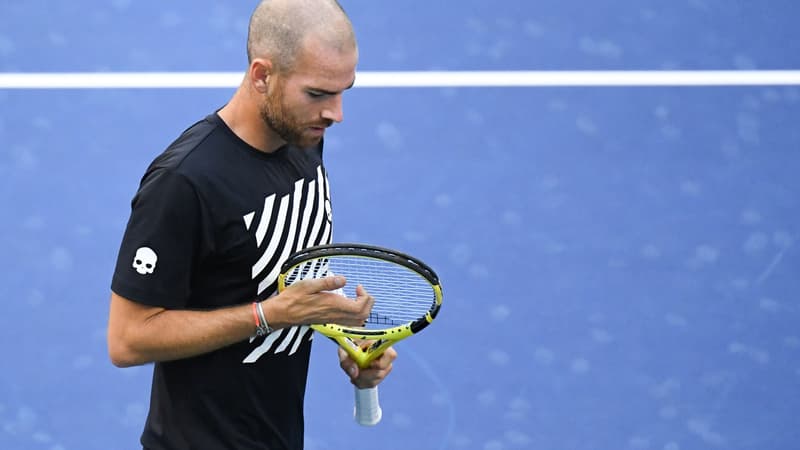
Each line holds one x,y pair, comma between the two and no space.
363,352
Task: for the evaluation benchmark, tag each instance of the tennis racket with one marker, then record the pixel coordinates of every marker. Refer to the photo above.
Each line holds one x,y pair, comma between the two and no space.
407,297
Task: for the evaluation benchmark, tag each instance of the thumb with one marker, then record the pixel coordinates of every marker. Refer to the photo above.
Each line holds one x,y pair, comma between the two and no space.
347,364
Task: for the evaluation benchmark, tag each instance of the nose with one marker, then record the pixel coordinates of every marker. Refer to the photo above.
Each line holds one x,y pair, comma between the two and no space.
333,109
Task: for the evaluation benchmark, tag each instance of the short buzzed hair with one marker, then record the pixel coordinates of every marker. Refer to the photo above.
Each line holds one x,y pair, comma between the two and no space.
278,28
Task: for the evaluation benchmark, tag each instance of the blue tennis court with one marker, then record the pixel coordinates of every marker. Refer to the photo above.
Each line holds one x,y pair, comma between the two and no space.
621,265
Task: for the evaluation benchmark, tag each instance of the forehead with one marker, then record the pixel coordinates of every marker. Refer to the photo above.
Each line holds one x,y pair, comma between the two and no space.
325,66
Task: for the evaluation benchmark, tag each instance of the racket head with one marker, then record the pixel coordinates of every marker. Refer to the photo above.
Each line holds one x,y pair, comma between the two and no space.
407,293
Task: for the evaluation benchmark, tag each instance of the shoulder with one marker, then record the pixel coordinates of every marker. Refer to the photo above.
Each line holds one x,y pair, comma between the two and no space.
193,140
203,155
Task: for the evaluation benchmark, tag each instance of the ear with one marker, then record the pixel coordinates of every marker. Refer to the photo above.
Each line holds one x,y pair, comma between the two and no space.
259,72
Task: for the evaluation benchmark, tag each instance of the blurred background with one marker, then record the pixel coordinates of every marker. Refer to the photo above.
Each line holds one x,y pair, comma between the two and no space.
620,265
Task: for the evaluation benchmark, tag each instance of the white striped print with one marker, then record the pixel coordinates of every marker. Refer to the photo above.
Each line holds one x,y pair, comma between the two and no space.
306,214
266,216
316,194
287,339
290,237
320,209
286,336
263,348
305,330
327,234
305,198
263,224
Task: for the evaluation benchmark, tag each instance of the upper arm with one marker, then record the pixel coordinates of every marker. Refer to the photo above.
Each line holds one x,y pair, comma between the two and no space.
161,242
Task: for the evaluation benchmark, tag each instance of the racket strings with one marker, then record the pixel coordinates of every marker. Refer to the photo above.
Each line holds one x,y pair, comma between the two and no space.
401,294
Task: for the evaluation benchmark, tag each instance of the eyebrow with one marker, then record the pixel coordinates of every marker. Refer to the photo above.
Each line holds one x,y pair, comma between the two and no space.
326,92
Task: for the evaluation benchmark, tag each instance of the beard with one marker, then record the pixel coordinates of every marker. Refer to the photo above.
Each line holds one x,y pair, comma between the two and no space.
276,115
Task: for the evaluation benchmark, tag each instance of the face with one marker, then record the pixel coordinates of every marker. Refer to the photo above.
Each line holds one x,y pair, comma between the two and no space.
302,103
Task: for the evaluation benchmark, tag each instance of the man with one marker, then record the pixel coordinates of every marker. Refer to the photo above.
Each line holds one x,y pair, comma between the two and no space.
214,217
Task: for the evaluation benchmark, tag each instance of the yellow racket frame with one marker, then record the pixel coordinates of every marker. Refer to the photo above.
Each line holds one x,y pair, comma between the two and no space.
363,344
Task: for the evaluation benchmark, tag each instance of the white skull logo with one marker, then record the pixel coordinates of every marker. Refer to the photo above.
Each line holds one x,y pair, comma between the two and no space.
145,260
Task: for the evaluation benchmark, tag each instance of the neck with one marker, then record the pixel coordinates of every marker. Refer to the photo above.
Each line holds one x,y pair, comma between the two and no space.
242,116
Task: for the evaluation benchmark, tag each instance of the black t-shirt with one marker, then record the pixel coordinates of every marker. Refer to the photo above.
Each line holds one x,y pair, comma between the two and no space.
211,224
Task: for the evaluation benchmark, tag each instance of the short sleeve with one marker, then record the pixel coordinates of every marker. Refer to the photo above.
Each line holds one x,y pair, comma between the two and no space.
161,242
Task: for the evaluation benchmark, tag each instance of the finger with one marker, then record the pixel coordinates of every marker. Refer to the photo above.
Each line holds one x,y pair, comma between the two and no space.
384,361
371,376
324,284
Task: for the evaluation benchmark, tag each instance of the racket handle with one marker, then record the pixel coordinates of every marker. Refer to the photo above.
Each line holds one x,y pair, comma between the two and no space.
367,411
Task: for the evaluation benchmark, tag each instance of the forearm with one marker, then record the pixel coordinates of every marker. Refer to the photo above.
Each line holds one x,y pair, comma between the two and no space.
139,335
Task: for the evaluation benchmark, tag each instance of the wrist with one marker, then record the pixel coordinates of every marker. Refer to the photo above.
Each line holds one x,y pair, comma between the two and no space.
275,314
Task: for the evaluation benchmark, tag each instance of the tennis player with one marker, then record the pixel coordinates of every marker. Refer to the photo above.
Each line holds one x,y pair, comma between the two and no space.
215,215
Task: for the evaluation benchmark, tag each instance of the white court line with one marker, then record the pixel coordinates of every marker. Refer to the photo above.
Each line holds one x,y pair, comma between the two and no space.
379,79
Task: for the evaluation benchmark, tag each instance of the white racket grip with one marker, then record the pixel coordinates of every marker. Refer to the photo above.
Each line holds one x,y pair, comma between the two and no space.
367,411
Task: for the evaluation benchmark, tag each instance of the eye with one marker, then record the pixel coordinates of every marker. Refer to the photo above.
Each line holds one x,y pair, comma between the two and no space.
315,94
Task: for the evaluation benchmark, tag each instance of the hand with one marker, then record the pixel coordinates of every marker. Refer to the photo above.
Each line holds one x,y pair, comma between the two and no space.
312,302
371,375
